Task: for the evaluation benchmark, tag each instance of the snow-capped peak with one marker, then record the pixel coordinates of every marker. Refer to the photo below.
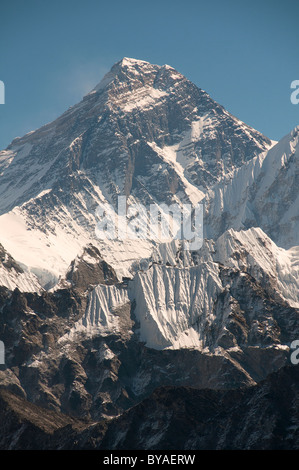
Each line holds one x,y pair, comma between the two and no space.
129,62
124,64
151,135
133,69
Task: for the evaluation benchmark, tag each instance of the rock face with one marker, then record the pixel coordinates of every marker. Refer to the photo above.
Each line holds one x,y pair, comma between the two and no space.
259,417
88,270
262,417
25,426
108,331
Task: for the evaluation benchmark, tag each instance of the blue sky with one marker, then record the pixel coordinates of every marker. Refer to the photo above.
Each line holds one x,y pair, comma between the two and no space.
243,53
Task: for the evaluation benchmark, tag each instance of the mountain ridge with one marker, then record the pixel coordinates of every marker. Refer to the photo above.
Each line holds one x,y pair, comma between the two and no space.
97,328
169,148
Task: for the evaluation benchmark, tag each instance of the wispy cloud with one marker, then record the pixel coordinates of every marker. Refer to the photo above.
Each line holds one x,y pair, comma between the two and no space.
83,76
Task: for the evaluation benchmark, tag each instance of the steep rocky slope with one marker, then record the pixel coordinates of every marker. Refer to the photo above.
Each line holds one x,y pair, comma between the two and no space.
262,417
93,347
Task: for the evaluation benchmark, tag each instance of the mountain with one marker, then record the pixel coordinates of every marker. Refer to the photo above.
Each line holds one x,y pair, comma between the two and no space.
260,417
176,305
218,318
36,426
262,193
145,132
12,275
95,329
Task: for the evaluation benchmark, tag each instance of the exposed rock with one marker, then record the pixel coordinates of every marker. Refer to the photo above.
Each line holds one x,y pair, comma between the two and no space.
263,417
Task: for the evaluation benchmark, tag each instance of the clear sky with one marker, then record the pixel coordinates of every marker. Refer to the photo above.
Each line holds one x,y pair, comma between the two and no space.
245,54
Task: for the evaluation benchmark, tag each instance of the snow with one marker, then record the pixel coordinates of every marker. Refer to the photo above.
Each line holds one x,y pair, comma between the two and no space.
148,97
169,300
25,282
252,195
101,315
46,254
6,157
171,304
259,256
129,61
110,76
103,302
170,155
